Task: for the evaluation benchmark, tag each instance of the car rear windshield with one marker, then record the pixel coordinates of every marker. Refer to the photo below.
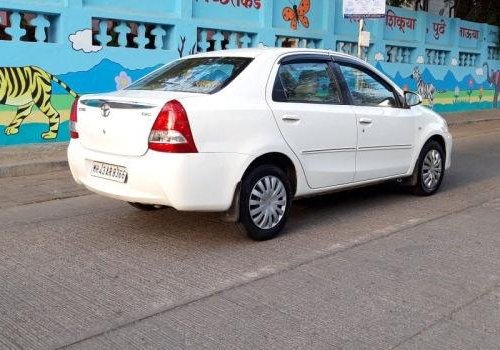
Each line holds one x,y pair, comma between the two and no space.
200,75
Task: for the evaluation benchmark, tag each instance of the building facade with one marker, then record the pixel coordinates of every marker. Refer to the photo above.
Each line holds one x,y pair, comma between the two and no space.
70,47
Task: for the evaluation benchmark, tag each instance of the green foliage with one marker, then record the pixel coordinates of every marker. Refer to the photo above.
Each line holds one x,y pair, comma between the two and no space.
483,11
399,3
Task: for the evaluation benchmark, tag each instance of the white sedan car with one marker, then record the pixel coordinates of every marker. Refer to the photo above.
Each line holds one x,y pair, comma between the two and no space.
246,131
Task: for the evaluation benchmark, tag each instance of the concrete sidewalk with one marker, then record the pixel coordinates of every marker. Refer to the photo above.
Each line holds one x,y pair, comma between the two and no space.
472,117
46,158
33,159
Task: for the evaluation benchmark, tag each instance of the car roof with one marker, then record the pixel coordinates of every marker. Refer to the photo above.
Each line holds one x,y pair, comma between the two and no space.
273,53
270,52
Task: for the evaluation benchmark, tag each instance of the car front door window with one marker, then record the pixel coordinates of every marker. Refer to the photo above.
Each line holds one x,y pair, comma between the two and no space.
365,89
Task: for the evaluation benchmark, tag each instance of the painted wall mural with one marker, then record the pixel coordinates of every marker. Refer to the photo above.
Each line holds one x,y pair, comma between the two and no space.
182,44
449,92
26,87
94,46
297,15
426,90
493,77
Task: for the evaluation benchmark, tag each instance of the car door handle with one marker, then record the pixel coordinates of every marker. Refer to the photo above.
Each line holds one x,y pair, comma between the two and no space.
290,118
365,121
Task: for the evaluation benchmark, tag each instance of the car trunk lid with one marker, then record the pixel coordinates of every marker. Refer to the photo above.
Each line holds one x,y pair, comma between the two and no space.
119,123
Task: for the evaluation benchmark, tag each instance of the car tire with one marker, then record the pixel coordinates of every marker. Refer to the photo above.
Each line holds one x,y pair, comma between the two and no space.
145,207
265,202
430,169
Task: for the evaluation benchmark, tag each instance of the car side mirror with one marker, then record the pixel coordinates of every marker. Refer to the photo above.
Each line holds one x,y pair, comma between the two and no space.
412,99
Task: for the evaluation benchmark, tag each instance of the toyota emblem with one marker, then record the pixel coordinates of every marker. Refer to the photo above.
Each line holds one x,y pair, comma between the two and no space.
105,110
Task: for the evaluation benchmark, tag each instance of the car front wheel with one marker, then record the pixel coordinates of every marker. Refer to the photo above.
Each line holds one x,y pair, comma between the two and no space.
430,169
265,202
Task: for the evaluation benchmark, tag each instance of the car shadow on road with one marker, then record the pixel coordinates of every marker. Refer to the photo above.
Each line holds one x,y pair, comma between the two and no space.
210,229
470,168
307,212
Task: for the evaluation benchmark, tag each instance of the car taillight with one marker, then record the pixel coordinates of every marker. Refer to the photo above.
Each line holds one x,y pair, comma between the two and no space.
171,131
73,118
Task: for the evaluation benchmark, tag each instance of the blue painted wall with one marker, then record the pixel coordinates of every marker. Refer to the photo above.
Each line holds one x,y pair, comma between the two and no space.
102,45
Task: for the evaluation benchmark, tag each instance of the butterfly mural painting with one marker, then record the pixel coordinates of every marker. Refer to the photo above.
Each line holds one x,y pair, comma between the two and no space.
297,14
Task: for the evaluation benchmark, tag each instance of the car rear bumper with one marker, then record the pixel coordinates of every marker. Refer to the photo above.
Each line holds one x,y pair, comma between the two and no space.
190,182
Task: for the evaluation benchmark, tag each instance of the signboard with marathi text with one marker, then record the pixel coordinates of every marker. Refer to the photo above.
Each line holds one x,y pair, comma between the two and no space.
245,12
400,22
364,8
470,35
438,32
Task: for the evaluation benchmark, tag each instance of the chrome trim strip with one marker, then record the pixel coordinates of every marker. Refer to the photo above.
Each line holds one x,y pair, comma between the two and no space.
330,150
391,147
98,103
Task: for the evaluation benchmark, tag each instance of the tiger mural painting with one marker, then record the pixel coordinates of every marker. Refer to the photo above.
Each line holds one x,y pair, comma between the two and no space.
25,87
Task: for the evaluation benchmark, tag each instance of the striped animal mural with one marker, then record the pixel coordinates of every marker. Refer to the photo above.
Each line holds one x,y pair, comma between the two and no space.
426,90
25,87
493,77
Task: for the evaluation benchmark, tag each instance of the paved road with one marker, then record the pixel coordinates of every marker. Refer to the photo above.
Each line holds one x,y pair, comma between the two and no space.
370,269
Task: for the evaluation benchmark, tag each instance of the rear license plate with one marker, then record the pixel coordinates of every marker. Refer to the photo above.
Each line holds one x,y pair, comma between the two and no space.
109,171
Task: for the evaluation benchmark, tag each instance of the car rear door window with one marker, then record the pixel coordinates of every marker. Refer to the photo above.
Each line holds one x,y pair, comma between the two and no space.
366,89
200,75
306,82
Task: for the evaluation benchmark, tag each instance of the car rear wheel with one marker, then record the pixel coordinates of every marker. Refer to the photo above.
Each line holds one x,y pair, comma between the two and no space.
265,202
145,207
430,169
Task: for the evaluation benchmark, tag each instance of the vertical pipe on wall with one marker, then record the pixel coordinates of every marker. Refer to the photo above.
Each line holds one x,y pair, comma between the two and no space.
360,48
